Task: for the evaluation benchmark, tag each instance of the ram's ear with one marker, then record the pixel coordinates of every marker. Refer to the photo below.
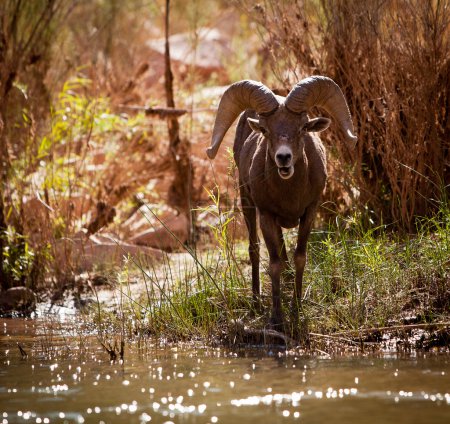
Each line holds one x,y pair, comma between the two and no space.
317,124
255,125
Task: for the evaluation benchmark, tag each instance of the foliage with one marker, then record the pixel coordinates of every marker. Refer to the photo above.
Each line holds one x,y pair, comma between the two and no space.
17,260
26,34
81,125
56,179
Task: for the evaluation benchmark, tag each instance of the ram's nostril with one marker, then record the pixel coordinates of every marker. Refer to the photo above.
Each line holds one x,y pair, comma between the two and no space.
283,158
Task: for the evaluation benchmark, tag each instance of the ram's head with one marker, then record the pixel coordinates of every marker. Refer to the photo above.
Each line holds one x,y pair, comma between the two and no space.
283,120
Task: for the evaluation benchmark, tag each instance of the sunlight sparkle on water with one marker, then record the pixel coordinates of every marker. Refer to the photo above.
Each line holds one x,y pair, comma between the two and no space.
200,386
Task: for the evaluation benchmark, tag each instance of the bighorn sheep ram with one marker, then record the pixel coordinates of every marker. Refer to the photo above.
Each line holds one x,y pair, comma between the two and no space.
282,167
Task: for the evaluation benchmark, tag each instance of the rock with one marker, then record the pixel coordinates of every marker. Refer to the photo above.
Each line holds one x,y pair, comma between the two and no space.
21,300
99,280
208,55
207,221
169,235
83,254
113,254
147,216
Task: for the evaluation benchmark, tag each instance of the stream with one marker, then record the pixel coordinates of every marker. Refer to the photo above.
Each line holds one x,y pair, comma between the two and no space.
66,377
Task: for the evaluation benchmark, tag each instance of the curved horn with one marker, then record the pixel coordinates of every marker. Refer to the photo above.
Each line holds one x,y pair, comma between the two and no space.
238,97
323,92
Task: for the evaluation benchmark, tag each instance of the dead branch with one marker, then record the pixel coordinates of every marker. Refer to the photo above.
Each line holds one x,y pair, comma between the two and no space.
166,112
337,338
22,351
110,350
356,333
179,148
268,334
239,332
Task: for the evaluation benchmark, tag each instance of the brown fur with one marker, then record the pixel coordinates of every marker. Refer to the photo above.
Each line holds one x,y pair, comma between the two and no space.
280,202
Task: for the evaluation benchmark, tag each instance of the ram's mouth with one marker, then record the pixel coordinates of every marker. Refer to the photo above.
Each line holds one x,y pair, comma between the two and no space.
285,172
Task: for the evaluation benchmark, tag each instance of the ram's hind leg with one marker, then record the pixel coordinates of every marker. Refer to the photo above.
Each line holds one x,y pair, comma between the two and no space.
306,222
305,227
284,259
249,212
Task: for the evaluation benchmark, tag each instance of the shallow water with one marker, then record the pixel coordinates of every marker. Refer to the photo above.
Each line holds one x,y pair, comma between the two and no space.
69,378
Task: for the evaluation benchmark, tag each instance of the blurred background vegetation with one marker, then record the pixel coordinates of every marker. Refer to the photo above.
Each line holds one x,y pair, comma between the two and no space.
81,150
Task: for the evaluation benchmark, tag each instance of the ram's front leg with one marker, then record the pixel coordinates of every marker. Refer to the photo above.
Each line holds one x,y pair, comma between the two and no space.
273,236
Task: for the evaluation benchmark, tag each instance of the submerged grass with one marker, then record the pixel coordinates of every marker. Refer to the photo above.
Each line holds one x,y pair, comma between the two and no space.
356,280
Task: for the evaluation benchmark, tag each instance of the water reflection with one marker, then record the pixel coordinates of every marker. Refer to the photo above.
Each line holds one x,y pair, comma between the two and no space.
74,382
